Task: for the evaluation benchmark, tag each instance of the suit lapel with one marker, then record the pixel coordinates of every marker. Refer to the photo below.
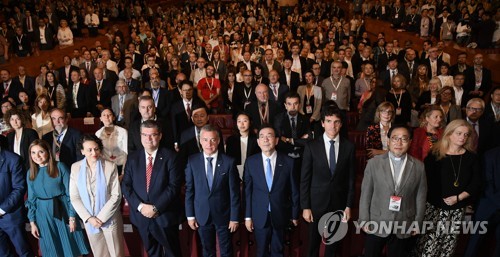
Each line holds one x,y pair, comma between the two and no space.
217,171
277,170
158,165
406,173
141,173
387,173
2,160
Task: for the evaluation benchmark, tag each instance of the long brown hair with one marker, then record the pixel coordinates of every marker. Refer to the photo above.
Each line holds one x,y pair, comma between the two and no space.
51,165
440,148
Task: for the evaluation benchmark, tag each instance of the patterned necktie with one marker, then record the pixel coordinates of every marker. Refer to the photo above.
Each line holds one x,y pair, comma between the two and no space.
149,172
333,162
210,172
188,110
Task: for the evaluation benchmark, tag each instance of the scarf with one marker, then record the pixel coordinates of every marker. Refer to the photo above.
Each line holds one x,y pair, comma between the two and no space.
100,198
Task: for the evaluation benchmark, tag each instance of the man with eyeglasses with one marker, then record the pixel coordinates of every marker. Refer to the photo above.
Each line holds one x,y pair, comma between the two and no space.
129,63
393,192
244,93
272,204
484,129
198,73
263,111
151,184
212,194
180,114
327,178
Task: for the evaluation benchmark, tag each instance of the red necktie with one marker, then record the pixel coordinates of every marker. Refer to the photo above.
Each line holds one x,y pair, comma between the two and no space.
149,171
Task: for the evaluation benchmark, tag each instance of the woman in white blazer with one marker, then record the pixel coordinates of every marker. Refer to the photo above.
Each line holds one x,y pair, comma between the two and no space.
96,196
114,140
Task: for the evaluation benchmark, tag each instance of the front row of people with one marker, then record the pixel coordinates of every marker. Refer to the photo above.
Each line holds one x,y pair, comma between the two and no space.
396,187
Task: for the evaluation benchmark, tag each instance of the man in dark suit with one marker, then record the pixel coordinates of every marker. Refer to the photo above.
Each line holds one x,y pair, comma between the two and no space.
488,208
27,84
212,208
461,65
243,93
289,77
269,63
383,59
292,128
388,74
249,36
21,44
408,66
88,64
299,63
180,114
478,79
263,110
133,85
394,189
64,72
246,60
12,218
10,88
359,60
412,20
433,63
102,89
44,35
189,142
63,140
80,101
324,65
272,195
277,91
151,185
327,178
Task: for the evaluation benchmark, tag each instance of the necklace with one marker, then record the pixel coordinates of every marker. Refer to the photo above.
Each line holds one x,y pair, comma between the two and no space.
455,183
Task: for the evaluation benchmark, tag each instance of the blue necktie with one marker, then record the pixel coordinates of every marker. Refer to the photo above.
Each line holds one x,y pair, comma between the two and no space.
210,174
333,162
269,178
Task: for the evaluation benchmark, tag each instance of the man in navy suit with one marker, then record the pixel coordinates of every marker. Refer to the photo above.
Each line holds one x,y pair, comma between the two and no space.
488,208
272,195
327,178
12,190
212,194
151,185
63,140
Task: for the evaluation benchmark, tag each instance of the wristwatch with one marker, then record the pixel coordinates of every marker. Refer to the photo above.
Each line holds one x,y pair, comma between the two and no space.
154,209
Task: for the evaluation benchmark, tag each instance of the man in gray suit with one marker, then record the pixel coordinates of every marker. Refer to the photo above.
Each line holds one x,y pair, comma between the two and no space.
337,87
394,190
121,103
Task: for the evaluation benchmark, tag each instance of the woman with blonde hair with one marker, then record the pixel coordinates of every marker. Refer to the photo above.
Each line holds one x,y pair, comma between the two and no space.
453,182
428,133
429,97
376,134
447,102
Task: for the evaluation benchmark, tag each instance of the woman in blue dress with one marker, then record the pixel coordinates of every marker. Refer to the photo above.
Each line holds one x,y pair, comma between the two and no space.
50,212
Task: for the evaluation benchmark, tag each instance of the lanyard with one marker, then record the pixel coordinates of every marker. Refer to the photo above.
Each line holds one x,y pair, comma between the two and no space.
216,66
309,93
247,96
336,87
210,86
19,39
398,101
398,179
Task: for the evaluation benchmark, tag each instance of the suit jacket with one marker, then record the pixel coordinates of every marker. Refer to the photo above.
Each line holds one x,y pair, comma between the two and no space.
265,71
93,65
319,190
283,89
239,97
179,118
68,153
62,75
294,80
103,96
378,186
189,145
49,36
29,87
233,147
427,62
253,110
318,99
219,205
283,196
304,66
25,45
111,209
134,135
163,106
404,70
251,38
12,189
470,81
135,85
252,64
126,108
86,100
284,128
14,88
28,136
164,188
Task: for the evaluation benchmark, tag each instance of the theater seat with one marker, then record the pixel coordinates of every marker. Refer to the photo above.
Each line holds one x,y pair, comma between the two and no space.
78,123
352,120
224,122
358,138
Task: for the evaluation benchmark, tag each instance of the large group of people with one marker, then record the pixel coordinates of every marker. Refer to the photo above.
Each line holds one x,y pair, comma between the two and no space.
289,78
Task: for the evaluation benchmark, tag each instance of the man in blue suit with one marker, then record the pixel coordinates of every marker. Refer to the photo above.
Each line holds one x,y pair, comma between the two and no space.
488,208
12,190
151,185
272,195
212,194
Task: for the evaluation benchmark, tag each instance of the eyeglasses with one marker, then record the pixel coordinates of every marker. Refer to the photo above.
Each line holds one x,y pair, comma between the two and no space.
400,139
472,109
150,135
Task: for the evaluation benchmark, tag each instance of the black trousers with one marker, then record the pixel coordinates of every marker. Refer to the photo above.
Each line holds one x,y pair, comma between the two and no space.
396,247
